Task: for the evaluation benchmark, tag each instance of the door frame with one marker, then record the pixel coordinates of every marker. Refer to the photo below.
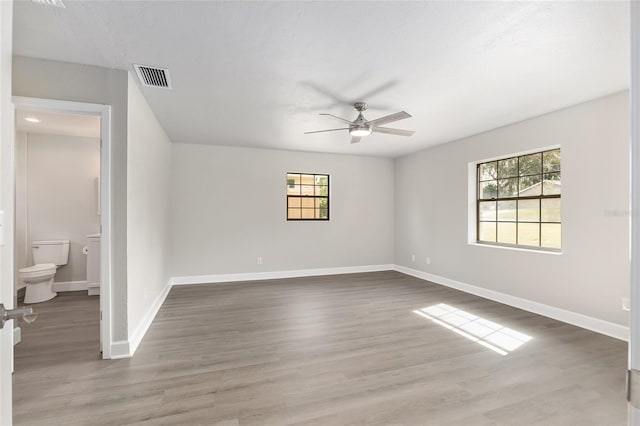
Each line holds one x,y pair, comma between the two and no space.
634,317
104,112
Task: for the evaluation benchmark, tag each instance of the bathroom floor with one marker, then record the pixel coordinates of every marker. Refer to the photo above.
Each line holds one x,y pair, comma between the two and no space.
65,336
334,350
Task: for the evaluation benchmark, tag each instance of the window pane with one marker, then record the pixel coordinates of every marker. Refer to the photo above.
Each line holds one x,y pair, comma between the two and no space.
308,190
488,189
293,214
321,202
508,167
488,171
308,213
322,180
324,212
551,210
531,164
529,210
294,202
551,160
293,178
308,202
507,232
307,179
552,184
487,210
487,232
529,234
322,190
551,235
507,210
507,187
293,190
530,186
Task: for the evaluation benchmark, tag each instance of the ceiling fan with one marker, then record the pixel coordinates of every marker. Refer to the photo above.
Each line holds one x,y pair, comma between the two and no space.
362,127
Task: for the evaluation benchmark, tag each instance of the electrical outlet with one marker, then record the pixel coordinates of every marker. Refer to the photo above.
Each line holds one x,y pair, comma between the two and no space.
626,304
428,260
413,257
259,261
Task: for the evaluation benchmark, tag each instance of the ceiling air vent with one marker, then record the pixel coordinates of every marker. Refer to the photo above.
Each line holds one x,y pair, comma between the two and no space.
51,3
153,76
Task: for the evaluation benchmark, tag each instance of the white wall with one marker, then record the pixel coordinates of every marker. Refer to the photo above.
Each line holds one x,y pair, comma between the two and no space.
592,274
41,78
228,206
56,196
148,185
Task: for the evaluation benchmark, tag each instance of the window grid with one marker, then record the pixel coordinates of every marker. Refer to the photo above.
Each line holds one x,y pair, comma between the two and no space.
307,196
547,169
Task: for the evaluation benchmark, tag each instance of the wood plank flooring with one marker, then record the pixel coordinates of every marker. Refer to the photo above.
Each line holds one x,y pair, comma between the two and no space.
333,350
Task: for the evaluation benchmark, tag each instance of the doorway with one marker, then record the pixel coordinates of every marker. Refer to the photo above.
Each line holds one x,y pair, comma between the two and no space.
89,243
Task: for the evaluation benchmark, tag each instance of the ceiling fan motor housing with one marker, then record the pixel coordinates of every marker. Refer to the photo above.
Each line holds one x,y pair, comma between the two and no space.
360,106
360,126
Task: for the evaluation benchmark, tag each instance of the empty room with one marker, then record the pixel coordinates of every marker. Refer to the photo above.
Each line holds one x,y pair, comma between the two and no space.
319,212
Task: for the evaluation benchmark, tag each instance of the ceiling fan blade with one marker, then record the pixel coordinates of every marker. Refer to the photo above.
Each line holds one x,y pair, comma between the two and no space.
389,118
399,132
355,139
335,116
329,130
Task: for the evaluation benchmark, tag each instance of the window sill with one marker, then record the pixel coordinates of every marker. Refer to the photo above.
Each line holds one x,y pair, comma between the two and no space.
517,248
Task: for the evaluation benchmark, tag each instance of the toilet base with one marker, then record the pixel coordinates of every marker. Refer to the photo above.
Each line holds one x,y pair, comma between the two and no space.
39,292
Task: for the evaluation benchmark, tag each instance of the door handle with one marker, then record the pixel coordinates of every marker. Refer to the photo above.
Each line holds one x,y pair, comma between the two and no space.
8,314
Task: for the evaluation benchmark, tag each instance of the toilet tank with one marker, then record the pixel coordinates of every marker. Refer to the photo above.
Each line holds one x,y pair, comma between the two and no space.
52,251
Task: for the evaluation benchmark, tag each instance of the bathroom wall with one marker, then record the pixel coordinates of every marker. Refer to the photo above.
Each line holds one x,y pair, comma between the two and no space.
56,196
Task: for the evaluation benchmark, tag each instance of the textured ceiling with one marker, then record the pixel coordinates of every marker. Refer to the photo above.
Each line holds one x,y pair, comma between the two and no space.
258,73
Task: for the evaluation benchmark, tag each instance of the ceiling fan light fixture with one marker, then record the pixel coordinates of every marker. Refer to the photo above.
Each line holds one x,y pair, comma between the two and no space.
360,131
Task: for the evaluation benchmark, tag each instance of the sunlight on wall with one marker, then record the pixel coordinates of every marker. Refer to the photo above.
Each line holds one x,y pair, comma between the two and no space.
494,336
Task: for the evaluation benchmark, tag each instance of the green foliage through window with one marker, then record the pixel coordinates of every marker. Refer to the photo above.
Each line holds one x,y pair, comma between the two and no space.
307,196
519,200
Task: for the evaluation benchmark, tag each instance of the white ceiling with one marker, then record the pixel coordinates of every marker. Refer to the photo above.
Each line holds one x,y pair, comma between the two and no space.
58,123
258,73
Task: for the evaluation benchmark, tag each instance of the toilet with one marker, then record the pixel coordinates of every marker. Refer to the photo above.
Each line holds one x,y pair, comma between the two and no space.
47,257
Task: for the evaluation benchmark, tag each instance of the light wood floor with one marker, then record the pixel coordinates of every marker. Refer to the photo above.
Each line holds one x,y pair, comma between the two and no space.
338,350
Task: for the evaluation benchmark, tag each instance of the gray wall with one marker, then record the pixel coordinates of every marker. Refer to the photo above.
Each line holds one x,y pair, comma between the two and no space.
41,78
57,196
148,185
592,274
228,206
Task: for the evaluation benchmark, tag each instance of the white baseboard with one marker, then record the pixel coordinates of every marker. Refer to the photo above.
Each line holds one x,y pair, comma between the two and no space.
136,337
126,349
69,286
17,335
599,326
120,349
256,276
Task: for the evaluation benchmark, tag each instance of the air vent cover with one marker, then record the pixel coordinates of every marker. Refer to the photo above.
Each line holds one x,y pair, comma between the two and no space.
51,3
153,76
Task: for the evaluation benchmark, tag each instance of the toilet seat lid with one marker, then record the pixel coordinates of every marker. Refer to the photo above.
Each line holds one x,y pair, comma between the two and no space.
39,267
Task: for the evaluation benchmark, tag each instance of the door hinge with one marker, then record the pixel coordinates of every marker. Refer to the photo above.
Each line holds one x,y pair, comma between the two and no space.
633,387
100,315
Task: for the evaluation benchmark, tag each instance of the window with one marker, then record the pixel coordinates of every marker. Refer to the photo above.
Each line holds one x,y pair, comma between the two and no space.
519,200
307,196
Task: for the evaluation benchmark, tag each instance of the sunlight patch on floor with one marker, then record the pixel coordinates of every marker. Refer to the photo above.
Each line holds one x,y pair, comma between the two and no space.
487,333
